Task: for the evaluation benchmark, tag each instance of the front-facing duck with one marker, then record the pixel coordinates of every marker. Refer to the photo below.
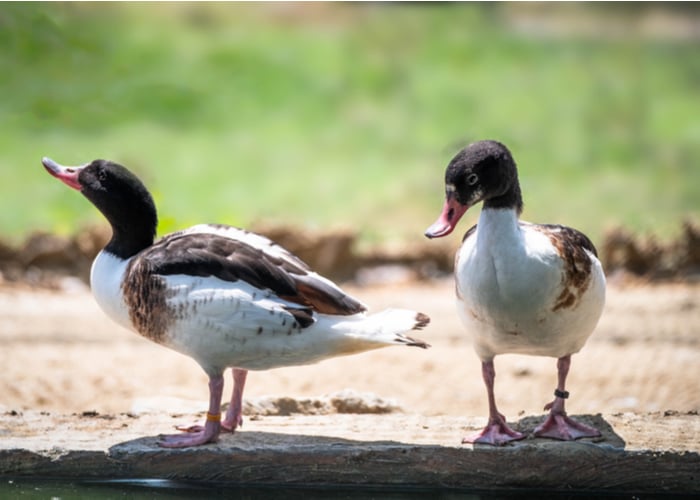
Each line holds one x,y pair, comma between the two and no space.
522,288
221,295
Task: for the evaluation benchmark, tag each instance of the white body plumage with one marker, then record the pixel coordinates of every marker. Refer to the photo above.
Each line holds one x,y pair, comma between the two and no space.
510,277
234,324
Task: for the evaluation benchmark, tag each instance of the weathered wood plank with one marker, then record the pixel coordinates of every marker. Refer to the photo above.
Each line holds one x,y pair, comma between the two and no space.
360,450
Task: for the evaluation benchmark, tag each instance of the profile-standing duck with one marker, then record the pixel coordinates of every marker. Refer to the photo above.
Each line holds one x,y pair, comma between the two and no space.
522,288
221,295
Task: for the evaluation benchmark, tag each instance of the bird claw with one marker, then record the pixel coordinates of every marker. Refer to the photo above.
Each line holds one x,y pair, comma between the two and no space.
558,426
496,433
194,435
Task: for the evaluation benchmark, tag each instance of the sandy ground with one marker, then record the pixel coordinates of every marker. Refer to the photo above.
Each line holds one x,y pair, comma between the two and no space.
61,354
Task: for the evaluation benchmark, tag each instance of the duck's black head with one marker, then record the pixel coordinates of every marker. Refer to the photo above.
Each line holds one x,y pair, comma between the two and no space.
120,196
483,171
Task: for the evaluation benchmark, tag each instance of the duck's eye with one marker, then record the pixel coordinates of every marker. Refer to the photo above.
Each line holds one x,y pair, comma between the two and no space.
102,176
472,179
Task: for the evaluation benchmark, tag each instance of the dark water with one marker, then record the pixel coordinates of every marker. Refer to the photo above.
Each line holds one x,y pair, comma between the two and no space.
55,489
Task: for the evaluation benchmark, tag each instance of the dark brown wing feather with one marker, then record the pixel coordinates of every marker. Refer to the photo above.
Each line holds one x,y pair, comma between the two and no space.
206,254
571,245
575,237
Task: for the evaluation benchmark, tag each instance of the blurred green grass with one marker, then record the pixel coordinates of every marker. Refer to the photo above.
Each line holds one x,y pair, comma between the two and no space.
344,115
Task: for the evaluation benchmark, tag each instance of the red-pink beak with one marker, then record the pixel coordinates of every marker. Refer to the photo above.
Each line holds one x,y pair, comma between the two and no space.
451,213
67,175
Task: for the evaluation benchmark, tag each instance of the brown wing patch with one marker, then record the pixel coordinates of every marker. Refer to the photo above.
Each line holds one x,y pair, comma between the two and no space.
576,275
324,298
145,296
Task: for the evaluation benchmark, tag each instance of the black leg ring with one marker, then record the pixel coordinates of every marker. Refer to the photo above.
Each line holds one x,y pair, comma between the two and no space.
561,394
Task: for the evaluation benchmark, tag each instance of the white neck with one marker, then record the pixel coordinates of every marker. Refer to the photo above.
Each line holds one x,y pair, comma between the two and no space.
498,226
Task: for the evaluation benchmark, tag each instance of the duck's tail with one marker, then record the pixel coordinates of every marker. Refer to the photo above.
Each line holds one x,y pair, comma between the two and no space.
388,327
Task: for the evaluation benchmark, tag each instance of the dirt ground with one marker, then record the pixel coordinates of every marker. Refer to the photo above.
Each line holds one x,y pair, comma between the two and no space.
61,354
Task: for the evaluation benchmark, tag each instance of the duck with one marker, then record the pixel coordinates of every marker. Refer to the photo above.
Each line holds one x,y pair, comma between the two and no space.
224,296
521,287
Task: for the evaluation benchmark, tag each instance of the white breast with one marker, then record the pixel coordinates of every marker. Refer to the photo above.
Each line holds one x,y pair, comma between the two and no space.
106,277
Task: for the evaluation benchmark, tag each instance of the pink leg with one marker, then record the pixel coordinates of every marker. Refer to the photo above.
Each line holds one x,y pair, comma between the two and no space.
496,431
558,425
198,435
234,414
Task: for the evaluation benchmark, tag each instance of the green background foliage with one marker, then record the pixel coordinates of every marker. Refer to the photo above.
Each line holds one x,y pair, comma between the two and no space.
329,115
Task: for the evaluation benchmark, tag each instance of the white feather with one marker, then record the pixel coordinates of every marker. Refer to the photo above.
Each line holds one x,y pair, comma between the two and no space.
106,277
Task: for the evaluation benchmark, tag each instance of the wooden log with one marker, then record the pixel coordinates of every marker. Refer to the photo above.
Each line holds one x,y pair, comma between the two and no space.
654,453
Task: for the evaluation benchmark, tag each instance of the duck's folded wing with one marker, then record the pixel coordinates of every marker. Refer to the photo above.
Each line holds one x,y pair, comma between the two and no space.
568,239
233,255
